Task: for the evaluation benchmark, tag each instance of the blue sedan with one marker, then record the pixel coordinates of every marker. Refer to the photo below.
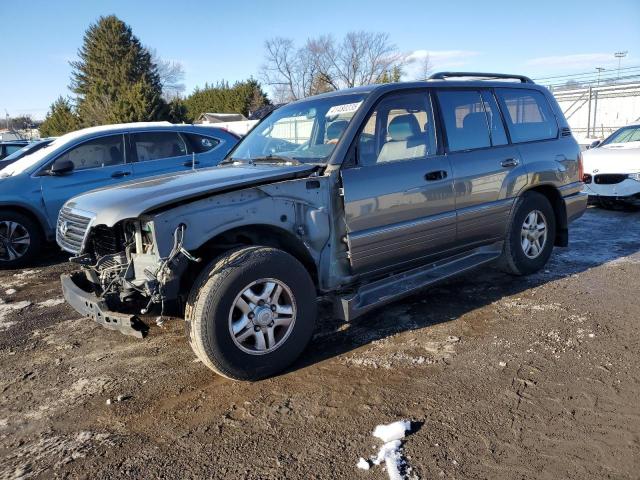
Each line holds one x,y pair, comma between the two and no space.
34,188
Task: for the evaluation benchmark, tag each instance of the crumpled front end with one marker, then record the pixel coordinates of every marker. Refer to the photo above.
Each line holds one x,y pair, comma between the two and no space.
122,269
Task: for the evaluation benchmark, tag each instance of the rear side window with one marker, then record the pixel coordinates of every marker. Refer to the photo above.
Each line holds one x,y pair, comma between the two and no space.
199,143
158,145
464,119
528,115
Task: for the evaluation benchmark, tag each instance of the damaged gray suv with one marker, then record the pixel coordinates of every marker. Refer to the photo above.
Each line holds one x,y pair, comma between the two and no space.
358,196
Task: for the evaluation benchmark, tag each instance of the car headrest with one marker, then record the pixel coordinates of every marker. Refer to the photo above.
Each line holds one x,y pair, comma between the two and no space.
335,130
475,121
403,127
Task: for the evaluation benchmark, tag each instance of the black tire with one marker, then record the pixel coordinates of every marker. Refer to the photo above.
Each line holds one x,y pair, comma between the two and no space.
12,256
211,301
514,260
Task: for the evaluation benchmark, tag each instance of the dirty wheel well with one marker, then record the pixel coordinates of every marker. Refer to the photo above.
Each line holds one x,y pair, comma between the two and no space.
265,235
23,211
555,198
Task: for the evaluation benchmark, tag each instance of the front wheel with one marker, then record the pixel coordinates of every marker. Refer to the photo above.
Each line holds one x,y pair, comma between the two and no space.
20,239
251,313
531,235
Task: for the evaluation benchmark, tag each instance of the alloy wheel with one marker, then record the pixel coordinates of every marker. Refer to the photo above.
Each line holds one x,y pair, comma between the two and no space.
533,235
262,316
14,240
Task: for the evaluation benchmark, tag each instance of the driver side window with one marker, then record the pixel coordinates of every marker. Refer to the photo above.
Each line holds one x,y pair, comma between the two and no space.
400,128
100,152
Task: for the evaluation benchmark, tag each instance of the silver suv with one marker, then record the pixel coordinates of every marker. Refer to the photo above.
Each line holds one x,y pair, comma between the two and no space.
360,196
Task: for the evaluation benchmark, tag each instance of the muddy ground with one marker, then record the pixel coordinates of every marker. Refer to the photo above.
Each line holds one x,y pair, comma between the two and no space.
505,378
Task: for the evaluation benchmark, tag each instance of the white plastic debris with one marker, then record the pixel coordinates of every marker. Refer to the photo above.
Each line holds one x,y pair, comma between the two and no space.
502,364
108,401
363,464
10,291
392,431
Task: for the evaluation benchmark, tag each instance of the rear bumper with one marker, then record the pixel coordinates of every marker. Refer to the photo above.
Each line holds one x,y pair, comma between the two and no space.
88,305
576,205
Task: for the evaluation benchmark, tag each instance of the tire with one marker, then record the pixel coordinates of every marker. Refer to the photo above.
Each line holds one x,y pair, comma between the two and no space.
21,239
213,310
515,260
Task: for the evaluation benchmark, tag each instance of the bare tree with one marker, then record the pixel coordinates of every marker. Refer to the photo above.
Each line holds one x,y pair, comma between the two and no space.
322,64
426,67
171,75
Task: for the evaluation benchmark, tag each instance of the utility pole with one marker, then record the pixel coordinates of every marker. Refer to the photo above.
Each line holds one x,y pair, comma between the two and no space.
620,56
600,70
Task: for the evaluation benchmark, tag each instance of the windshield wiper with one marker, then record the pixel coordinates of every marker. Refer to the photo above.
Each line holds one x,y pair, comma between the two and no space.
274,159
262,159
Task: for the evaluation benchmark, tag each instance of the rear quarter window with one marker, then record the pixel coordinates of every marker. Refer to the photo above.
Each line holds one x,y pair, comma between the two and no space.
528,115
200,143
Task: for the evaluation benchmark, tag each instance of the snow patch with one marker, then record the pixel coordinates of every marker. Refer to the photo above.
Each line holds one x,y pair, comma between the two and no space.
390,453
6,309
52,302
392,431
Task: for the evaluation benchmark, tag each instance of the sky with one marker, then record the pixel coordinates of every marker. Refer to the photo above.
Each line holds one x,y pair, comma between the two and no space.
216,40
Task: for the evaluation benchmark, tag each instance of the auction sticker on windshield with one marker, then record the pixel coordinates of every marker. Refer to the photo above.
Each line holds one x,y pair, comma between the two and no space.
346,108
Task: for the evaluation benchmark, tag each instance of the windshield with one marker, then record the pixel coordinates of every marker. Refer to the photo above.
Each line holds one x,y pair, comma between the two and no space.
305,132
28,149
33,158
624,135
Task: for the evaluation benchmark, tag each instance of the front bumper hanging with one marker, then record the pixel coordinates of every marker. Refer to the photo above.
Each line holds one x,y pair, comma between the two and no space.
89,305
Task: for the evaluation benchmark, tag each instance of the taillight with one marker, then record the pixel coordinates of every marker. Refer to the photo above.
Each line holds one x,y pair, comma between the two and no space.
580,168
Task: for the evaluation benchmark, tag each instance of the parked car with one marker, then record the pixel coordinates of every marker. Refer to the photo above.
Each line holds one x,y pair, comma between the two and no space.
27,149
34,188
360,196
9,147
612,168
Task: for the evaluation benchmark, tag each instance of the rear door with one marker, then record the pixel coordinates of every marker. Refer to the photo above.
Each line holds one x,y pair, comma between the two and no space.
99,162
487,169
398,198
158,152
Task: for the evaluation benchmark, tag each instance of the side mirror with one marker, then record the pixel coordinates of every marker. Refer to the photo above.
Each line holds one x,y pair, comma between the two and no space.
594,144
61,167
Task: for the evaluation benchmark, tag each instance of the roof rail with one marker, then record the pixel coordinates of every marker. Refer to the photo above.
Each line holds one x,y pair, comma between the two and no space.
485,76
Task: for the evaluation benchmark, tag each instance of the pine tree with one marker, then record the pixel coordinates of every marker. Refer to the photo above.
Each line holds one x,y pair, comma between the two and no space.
242,97
115,78
60,119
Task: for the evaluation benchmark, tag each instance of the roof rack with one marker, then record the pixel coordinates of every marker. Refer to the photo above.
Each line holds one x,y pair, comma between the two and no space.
485,76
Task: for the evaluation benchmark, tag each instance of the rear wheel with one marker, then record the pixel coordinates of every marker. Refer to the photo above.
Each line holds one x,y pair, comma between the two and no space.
531,234
251,313
20,239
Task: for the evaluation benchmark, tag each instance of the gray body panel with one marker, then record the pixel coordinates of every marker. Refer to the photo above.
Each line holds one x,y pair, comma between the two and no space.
132,199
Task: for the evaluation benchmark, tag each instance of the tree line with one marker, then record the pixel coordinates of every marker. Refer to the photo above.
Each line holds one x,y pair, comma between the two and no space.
116,79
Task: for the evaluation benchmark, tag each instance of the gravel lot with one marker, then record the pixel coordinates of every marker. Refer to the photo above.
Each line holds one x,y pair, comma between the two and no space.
503,377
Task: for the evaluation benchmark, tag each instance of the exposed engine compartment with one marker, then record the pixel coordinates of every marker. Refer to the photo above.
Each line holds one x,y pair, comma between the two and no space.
123,267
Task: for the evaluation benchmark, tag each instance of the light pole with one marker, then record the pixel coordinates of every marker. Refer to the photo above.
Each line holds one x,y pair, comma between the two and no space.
600,70
620,56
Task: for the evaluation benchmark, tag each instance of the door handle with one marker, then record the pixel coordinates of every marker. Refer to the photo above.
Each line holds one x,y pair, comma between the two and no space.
190,163
435,175
510,162
120,174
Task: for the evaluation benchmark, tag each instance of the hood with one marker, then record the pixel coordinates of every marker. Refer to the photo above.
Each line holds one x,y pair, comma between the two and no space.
613,158
132,199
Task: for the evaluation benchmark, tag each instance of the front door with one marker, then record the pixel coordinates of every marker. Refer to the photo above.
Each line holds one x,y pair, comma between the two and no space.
488,171
97,163
398,198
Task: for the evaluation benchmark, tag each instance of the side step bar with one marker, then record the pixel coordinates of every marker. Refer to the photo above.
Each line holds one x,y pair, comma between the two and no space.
380,292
